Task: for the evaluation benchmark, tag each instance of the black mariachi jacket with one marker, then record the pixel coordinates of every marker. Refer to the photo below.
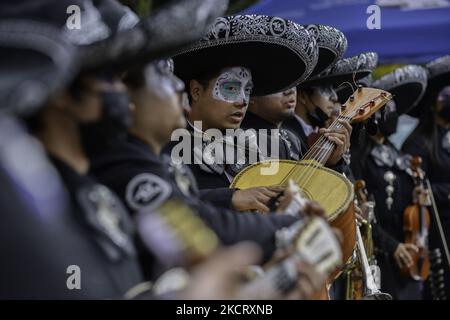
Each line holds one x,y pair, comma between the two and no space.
218,177
439,176
131,165
372,167
290,147
98,234
296,128
39,246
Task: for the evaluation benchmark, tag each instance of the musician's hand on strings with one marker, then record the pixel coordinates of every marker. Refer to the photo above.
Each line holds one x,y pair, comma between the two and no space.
341,138
255,199
402,254
309,284
220,276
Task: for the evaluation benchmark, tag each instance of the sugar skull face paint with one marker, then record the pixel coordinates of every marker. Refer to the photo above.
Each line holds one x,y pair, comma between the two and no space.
233,85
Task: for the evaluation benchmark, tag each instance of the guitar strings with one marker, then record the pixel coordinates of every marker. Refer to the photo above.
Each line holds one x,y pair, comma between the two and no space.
327,146
311,153
319,153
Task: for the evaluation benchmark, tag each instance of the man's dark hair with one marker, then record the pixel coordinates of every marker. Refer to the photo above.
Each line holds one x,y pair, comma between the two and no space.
134,78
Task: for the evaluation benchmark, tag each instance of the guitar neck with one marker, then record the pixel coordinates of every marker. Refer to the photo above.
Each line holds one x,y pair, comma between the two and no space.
322,149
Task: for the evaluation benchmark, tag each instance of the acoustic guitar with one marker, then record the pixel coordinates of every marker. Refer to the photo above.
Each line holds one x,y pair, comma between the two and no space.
332,190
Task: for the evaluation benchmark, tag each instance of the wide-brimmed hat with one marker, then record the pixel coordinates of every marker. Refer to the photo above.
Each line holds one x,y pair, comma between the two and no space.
279,53
36,61
110,34
438,77
407,85
349,69
332,45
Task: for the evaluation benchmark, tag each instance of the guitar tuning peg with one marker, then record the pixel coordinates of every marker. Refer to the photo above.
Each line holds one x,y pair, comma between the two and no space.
352,98
360,88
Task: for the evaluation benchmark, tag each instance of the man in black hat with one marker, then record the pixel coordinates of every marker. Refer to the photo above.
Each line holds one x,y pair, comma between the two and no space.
431,141
385,171
230,68
97,257
270,111
147,179
95,226
317,103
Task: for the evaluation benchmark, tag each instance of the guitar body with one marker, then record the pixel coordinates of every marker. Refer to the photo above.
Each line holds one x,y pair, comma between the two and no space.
329,188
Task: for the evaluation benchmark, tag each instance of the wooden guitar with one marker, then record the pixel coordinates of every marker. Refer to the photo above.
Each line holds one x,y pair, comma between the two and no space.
329,188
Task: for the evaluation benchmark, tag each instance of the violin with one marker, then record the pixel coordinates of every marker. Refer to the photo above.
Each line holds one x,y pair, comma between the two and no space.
416,223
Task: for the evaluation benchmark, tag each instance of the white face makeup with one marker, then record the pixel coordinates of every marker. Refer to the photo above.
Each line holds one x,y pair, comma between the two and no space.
160,78
233,85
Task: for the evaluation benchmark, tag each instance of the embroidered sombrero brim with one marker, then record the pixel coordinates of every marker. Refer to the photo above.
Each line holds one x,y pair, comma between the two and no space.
279,53
345,70
35,61
407,85
438,77
344,91
332,45
111,35
161,34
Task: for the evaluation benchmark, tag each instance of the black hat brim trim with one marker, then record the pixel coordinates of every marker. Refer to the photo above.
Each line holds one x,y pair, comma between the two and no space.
336,79
274,67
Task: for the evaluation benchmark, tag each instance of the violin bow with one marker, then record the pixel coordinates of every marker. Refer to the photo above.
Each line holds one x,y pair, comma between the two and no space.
438,222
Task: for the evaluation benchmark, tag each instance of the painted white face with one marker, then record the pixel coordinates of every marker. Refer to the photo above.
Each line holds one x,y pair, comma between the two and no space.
233,85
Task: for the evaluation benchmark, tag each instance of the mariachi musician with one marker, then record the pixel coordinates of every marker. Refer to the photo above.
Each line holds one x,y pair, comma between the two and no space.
227,70
384,169
273,111
431,141
317,101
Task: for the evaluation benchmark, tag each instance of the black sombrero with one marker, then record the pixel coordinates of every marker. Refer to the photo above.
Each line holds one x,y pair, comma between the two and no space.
438,77
345,70
112,35
279,53
407,85
332,45
36,60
